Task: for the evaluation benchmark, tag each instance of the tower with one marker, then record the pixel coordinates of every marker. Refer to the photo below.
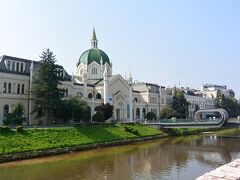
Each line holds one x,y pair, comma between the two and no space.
94,40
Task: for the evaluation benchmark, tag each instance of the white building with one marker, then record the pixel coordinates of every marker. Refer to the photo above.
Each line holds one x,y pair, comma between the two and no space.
93,81
210,91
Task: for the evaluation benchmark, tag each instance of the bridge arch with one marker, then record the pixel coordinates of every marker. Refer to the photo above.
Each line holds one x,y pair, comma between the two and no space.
224,114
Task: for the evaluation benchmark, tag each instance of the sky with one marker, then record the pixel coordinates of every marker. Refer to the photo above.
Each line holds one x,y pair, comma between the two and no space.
172,43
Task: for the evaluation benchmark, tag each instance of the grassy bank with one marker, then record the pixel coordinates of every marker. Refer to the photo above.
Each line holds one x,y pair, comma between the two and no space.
38,142
53,138
188,131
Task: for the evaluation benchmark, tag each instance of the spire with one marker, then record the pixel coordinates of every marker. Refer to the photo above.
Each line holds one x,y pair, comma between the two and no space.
94,37
94,40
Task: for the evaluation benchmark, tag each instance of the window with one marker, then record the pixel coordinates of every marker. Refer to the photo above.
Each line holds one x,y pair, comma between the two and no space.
63,92
5,87
17,66
22,88
8,65
21,67
5,110
153,100
67,92
9,88
13,65
90,95
18,89
135,99
98,96
94,70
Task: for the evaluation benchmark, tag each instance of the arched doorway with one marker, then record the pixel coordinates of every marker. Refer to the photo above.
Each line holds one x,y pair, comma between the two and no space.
143,113
120,112
137,113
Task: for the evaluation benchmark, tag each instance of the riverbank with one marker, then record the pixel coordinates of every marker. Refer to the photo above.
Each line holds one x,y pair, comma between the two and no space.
38,142
227,171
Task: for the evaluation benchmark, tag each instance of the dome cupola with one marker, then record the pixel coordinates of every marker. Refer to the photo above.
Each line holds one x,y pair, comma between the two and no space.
94,54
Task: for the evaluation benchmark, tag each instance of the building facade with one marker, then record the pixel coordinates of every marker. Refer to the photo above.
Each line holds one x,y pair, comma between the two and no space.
93,81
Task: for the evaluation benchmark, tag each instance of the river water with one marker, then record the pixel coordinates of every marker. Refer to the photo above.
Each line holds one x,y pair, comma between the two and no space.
170,158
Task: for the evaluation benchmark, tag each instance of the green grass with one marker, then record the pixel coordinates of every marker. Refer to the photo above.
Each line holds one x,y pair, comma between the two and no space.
50,138
186,131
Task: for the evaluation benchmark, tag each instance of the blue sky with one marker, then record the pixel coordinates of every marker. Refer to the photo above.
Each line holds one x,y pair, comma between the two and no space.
165,42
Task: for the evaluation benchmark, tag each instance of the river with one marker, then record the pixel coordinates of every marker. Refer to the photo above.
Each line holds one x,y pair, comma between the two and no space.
170,158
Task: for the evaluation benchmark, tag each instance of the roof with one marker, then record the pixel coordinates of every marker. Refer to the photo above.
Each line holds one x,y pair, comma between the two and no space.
28,63
94,55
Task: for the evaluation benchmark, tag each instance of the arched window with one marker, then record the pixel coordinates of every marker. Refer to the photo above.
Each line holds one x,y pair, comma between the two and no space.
135,99
17,66
21,67
98,96
8,65
94,70
137,113
144,112
67,92
22,88
90,95
9,87
5,110
5,87
13,65
18,89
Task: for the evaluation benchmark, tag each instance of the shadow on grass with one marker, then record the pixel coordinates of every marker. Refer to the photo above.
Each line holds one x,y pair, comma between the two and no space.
100,133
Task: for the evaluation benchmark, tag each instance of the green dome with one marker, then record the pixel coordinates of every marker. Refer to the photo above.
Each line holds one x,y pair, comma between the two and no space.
94,54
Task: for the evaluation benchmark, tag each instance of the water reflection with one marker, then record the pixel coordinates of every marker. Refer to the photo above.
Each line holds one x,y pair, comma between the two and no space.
170,158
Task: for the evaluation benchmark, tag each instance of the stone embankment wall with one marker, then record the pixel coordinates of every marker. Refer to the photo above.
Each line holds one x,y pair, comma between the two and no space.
229,171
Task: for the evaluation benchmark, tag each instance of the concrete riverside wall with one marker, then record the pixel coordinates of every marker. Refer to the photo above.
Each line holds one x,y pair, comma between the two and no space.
230,171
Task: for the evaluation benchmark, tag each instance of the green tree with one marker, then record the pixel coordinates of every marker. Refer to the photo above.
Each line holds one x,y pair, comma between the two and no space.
167,113
180,104
232,107
46,94
98,117
106,109
16,117
151,116
220,99
73,108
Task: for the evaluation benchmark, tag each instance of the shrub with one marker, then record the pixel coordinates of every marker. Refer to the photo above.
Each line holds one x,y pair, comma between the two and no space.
4,129
19,129
151,116
131,130
167,113
98,117
106,109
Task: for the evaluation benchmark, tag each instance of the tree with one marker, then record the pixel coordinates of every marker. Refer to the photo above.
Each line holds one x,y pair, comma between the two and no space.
46,94
180,104
167,113
73,108
106,109
98,117
220,99
16,117
151,116
232,107
229,104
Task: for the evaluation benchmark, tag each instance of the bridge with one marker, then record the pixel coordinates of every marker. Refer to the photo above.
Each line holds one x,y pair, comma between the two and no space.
199,120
